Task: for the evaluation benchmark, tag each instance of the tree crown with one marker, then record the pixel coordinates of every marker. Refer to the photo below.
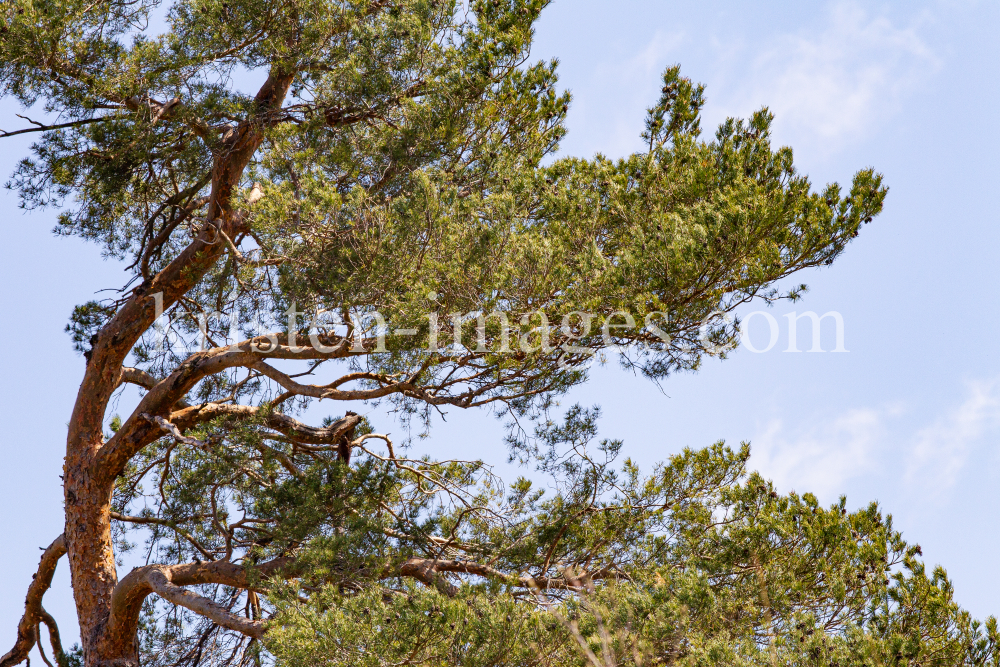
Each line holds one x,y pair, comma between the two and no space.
385,218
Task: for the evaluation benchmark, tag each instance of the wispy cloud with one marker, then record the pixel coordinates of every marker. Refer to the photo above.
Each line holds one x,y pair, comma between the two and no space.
941,449
824,456
821,457
837,82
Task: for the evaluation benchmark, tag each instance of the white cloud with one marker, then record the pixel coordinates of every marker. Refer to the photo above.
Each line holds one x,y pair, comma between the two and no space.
941,449
838,83
838,80
824,456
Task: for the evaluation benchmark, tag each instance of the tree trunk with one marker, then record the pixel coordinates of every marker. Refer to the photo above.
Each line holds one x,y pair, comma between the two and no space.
92,563
89,480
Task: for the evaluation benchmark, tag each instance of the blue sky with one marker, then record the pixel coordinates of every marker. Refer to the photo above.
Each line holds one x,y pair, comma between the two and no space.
909,416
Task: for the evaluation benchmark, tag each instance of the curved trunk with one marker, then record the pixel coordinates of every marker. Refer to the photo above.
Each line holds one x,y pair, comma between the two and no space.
92,565
89,480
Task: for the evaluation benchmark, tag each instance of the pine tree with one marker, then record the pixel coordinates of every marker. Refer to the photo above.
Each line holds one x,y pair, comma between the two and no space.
386,193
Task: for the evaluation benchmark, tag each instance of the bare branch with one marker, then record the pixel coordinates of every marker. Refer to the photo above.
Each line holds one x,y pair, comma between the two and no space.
138,377
173,431
54,638
46,128
160,582
423,570
292,428
167,580
33,603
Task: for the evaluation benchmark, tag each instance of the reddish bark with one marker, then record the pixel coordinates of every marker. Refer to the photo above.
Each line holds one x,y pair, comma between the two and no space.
89,477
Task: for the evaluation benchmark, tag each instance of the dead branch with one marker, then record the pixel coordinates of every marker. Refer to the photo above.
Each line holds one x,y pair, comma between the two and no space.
159,582
168,581
54,638
41,581
41,127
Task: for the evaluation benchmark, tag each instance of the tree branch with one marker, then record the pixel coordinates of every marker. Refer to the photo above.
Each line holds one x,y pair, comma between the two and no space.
167,580
45,128
33,612
160,582
172,525
41,646
174,432
54,639
116,339
137,431
292,428
424,569
138,377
